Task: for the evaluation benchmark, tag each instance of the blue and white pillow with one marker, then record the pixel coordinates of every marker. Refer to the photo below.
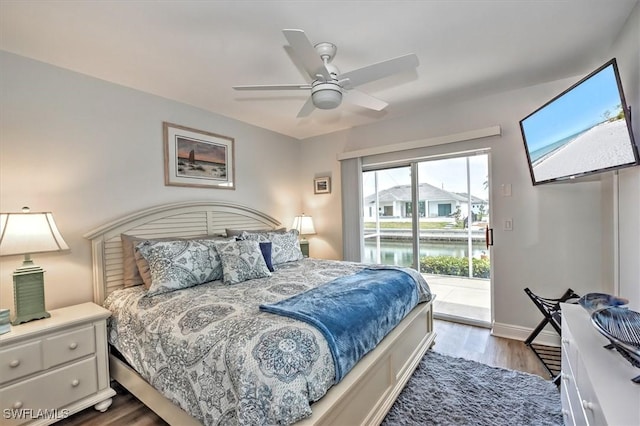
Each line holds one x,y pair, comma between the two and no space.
241,261
179,264
285,246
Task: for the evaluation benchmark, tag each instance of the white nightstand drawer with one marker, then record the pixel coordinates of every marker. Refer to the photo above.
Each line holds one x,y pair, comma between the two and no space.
68,346
51,390
20,361
62,366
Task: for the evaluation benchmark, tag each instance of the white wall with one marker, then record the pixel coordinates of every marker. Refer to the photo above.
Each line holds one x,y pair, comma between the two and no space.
627,51
91,151
560,232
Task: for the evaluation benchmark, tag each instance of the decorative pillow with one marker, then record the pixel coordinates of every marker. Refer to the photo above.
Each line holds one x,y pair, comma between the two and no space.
179,264
135,269
237,232
241,261
285,246
265,248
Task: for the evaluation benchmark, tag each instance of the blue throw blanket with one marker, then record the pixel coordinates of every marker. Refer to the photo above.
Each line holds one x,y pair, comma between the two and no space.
354,313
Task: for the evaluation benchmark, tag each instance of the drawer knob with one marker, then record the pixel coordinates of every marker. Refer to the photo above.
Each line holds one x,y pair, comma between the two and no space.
565,340
17,405
75,383
73,345
14,363
565,377
587,405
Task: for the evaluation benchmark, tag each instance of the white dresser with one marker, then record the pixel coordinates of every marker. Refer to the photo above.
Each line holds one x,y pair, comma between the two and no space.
54,367
596,385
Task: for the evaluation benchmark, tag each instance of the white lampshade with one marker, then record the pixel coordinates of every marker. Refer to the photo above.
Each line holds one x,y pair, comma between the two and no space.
28,233
304,225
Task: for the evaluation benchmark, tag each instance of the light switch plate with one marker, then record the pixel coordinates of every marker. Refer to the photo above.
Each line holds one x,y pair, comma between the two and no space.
508,225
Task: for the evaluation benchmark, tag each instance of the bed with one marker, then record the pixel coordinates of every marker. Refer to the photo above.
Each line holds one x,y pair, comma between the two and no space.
363,396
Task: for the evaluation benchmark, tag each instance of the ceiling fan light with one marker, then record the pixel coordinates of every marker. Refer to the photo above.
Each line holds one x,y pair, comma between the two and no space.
326,95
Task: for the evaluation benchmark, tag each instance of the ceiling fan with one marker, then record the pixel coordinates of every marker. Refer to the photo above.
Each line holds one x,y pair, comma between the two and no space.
328,85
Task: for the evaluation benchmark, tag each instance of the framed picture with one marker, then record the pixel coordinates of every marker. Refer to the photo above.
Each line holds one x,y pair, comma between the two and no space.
196,158
322,185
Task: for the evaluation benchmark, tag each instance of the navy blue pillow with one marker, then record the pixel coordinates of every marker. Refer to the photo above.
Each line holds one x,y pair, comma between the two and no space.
265,248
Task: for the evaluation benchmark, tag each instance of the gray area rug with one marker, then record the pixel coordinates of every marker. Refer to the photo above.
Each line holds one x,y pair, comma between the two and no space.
453,391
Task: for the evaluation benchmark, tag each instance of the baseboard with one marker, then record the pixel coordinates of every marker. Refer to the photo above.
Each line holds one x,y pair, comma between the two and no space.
546,337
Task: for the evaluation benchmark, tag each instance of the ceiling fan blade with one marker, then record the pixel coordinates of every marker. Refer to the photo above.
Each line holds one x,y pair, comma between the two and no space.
306,109
379,70
307,54
364,100
274,87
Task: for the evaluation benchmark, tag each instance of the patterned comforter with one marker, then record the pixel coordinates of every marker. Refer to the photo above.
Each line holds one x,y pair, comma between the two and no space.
212,352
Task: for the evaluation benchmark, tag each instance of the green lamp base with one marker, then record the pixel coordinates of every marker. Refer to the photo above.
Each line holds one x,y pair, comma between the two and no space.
28,293
304,247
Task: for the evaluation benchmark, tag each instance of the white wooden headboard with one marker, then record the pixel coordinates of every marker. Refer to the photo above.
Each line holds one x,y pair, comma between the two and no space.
188,219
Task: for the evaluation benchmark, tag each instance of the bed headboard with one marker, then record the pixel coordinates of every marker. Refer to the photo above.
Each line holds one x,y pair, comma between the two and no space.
188,219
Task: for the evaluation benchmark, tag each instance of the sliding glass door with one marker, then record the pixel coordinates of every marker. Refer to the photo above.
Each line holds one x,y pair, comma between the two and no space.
432,215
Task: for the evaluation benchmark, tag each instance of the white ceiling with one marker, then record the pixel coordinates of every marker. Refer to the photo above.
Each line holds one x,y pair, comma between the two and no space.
194,51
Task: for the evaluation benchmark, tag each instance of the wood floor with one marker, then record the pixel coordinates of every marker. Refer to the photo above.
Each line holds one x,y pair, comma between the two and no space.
452,339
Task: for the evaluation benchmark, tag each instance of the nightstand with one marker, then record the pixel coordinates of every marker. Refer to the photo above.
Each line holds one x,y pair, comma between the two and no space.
54,367
304,247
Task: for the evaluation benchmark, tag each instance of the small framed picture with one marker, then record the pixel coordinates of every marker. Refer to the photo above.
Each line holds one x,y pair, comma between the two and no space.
322,185
197,158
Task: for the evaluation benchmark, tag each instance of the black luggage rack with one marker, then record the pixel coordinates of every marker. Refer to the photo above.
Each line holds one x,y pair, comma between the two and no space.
550,308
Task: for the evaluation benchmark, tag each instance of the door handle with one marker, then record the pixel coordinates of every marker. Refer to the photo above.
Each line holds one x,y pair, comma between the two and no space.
488,236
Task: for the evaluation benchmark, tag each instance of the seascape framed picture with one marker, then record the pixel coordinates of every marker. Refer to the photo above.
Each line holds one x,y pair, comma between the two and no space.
322,185
197,158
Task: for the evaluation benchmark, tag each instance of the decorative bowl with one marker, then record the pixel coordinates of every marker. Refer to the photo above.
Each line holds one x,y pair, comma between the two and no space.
622,327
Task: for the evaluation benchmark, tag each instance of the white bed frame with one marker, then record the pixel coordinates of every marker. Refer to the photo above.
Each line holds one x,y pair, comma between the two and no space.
363,397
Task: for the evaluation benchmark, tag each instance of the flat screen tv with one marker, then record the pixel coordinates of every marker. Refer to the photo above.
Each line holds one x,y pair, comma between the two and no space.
584,130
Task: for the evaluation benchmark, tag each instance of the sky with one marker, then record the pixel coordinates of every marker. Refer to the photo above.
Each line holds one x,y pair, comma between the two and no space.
574,111
449,174
204,151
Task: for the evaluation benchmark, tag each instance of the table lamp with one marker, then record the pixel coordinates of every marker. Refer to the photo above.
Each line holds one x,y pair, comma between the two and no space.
304,225
28,233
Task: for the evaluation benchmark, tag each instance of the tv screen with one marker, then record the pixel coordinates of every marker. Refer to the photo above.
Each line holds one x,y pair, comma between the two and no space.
584,130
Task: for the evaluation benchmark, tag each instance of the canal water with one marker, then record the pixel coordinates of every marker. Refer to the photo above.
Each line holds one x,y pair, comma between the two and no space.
400,253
